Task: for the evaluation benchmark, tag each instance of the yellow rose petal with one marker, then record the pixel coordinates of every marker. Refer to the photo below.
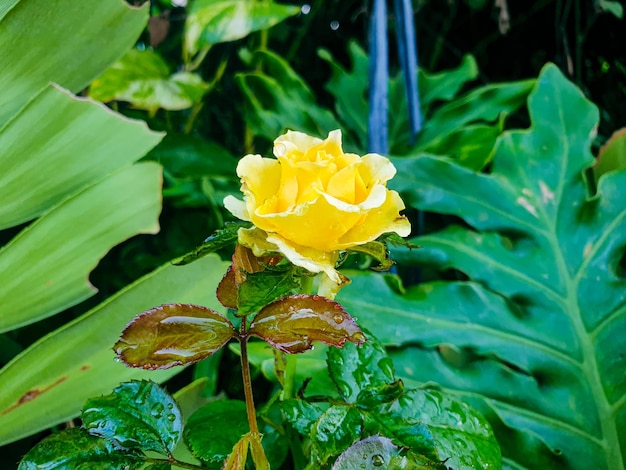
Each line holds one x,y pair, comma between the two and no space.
384,219
294,140
376,168
308,258
236,207
260,176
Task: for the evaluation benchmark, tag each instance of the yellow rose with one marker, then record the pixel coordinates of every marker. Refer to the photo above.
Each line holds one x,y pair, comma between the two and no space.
314,200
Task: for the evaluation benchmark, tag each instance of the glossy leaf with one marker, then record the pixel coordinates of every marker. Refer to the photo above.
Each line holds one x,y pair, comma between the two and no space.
48,383
77,449
371,453
612,155
334,431
137,415
173,335
439,427
535,338
212,22
220,239
213,430
292,323
143,79
355,369
301,414
44,269
109,27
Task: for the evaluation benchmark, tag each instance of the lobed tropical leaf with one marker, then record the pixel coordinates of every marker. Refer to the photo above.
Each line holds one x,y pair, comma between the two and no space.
535,337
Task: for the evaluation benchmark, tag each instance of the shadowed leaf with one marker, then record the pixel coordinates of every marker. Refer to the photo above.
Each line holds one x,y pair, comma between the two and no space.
76,448
173,335
220,239
292,323
213,430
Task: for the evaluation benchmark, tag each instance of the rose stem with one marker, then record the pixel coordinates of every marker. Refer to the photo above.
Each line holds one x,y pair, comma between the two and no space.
247,381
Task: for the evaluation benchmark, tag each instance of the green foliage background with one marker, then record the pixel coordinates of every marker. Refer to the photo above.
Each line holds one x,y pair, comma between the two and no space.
516,299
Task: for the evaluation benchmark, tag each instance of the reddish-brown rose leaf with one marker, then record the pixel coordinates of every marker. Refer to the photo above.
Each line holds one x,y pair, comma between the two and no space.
244,263
227,289
173,335
292,323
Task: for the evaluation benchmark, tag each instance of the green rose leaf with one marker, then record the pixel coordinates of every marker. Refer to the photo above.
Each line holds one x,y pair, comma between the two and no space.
292,323
357,369
143,79
173,335
372,453
378,251
439,427
137,415
213,430
335,430
301,414
220,239
212,22
262,288
77,449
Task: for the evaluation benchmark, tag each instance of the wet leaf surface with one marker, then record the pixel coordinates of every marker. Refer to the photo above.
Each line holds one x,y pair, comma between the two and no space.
292,323
137,415
355,369
76,448
335,430
213,430
172,335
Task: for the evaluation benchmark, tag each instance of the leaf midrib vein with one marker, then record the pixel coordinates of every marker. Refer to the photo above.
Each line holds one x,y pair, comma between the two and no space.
508,337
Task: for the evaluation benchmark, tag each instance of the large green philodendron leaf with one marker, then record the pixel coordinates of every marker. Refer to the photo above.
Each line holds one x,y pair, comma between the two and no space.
61,41
49,382
537,336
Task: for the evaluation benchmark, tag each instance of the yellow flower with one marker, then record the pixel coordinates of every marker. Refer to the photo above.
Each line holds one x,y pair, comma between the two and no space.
314,200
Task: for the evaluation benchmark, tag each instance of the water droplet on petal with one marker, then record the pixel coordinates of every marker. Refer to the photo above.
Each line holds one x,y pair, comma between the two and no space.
171,417
378,460
338,318
358,337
